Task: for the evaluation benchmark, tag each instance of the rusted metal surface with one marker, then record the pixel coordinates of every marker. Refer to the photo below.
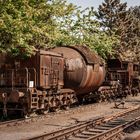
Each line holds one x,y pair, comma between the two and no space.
89,56
84,71
51,69
56,78
48,66
126,73
31,82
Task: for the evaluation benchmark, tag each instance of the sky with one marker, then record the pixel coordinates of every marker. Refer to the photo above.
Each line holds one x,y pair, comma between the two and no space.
96,3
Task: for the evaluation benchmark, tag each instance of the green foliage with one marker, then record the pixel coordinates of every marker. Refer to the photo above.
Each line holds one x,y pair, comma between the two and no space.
110,13
116,20
82,28
130,39
26,25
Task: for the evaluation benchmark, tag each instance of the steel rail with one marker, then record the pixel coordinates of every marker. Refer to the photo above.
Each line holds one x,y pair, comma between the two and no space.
72,131
39,117
123,127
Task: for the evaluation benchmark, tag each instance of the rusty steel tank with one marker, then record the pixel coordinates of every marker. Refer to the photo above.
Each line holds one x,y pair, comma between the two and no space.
84,70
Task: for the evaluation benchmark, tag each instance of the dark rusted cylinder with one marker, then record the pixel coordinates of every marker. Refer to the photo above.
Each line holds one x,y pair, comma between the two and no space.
84,70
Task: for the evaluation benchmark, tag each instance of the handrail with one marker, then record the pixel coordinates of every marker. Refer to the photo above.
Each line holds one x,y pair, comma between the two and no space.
9,77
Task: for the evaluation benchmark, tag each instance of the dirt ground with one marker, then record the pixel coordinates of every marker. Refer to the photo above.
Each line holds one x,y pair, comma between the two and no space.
62,120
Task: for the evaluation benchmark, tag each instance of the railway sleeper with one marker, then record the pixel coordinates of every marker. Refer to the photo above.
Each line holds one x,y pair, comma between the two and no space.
95,131
108,125
75,138
101,128
80,135
88,133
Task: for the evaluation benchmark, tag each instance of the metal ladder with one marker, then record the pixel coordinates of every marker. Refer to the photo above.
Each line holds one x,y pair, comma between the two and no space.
34,99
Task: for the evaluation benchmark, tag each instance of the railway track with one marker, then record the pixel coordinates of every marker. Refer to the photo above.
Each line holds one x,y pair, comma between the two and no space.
72,110
104,128
51,114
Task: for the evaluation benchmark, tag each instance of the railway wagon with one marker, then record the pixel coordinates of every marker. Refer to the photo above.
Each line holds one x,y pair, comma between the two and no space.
84,69
126,73
62,76
48,80
32,84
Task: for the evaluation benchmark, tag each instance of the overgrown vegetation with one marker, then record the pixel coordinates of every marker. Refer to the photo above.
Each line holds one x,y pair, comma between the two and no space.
125,24
27,25
84,29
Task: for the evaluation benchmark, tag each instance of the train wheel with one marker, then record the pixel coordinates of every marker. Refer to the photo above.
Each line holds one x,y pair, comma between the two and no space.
55,104
46,107
5,113
24,112
68,103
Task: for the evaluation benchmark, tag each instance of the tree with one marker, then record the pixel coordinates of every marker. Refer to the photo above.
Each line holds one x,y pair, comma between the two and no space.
82,28
111,14
27,25
125,24
131,38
